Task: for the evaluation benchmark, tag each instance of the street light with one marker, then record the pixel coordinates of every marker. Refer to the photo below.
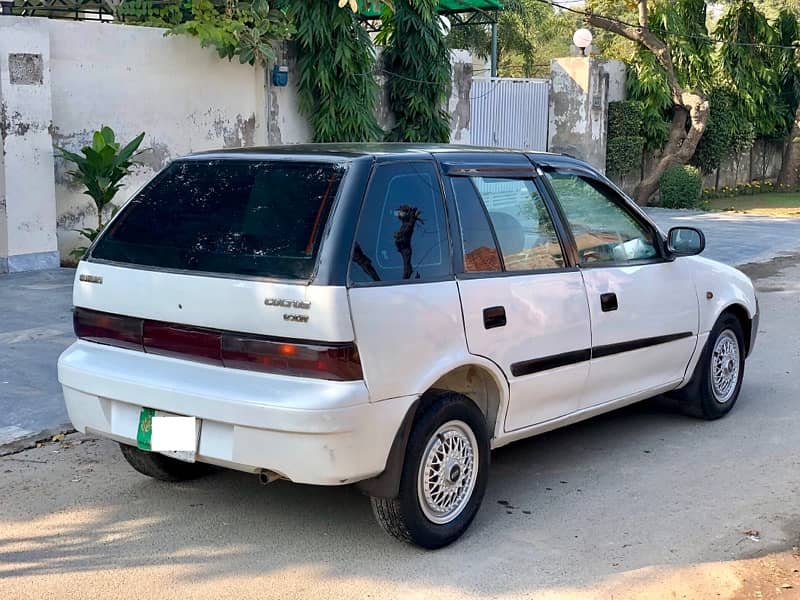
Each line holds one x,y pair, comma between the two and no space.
582,38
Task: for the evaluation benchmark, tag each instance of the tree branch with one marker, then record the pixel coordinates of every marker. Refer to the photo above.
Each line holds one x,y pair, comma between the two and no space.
643,13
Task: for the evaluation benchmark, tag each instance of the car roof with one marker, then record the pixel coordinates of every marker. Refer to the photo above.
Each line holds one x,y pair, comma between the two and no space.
353,150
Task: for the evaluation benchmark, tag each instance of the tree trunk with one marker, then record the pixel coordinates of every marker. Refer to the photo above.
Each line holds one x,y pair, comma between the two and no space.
688,106
790,167
681,144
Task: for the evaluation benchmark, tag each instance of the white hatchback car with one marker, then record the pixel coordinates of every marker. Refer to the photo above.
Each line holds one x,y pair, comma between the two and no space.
386,315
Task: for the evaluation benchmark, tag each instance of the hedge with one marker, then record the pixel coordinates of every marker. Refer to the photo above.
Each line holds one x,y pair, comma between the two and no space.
680,187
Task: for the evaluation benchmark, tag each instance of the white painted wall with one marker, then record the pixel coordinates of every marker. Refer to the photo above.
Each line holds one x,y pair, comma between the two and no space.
27,199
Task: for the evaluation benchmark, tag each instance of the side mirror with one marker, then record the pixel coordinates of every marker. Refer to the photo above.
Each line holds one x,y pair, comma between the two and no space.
685,241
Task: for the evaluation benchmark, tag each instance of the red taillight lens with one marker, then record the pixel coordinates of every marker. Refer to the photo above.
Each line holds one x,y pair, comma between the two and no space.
105,328
339,362
169,339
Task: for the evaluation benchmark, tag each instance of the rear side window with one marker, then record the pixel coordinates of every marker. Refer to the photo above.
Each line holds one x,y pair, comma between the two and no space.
239,217
402,232
521,223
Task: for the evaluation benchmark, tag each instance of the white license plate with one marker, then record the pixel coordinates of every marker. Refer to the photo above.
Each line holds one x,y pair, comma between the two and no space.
168,434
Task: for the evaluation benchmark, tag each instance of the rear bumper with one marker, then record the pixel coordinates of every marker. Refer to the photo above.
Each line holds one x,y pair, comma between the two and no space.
307,430
754,329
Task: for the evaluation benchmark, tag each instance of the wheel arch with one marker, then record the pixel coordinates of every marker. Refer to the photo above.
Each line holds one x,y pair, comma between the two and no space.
478,382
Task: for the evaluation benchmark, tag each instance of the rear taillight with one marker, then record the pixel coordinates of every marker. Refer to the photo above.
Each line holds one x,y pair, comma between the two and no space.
169,339
105,328
338,362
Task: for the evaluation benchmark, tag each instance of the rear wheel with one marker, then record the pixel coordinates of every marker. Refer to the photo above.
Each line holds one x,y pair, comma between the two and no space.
162,467
444,475
717,379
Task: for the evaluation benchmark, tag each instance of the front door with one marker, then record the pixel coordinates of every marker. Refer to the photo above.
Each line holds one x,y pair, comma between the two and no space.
643,308
524,306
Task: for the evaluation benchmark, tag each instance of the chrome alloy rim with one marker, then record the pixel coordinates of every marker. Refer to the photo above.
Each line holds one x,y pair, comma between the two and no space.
725,366
448,472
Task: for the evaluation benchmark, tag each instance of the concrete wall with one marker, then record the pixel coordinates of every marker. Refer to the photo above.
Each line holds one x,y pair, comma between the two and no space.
580,90
27,196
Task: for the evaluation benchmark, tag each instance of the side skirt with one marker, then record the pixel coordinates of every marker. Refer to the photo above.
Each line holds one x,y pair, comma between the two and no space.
581,415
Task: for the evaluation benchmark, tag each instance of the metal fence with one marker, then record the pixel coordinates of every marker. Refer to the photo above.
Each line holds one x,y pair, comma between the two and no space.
509,113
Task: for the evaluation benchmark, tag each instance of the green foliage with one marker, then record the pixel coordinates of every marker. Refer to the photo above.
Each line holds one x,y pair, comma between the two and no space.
100,169
336,85
417,63
153,13
750,69
529,34
727,132
623,155
787,26
680,187
625,142
647,84
625,119
243,30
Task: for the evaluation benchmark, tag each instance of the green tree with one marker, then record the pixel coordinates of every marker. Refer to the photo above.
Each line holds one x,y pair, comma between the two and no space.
677,57
417,62
336,61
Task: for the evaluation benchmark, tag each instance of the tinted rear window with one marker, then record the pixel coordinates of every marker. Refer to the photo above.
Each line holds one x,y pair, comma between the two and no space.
242,217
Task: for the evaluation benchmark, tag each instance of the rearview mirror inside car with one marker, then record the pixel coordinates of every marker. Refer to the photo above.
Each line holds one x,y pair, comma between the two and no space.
685,241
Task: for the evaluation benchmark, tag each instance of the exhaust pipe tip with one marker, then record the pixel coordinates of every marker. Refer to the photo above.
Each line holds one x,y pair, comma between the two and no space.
265,476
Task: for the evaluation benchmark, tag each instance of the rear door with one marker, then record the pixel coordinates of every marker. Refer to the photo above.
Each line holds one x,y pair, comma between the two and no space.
643,308
524,304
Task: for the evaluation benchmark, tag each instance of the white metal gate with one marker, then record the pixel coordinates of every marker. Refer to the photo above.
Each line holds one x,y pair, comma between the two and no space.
509,113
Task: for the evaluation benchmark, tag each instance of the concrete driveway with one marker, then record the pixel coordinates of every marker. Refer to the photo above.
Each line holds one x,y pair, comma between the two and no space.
640,503
36,324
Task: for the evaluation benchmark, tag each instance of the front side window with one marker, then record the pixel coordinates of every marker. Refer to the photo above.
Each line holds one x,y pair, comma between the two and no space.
230,216
604,231
402,232
522,224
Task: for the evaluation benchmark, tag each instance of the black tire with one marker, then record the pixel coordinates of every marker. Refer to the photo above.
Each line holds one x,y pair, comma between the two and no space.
403,517
699,399
162,467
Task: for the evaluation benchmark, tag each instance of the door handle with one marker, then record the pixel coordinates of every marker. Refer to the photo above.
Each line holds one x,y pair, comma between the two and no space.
608,302
494,316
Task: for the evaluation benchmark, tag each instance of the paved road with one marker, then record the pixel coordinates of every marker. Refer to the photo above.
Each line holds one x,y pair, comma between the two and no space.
734,238
36,323
641,503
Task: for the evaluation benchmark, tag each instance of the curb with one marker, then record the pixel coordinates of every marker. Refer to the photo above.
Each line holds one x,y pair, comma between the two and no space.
30,441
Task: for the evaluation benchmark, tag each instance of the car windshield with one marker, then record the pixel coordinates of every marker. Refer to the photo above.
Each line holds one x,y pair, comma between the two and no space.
231,216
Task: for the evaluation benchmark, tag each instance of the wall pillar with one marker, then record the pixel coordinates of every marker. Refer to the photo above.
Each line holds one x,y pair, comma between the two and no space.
27,188
580,90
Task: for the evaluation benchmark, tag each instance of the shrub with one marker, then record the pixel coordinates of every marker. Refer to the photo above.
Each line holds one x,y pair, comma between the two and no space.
623,155
625,142
625,119
100,169
680,187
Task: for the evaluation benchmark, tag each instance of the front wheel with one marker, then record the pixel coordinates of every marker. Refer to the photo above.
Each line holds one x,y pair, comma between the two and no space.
444,475
717,379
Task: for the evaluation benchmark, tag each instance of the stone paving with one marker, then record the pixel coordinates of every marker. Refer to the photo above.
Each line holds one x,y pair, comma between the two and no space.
36,323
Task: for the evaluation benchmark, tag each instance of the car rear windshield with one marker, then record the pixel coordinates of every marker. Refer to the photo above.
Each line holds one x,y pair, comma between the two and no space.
231,216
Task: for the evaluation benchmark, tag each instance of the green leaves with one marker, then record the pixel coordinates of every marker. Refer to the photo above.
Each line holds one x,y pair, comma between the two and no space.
245,30
337,89
680,187
417,61
100,168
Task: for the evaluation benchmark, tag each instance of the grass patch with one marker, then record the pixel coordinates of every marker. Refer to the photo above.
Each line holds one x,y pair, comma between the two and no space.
773,205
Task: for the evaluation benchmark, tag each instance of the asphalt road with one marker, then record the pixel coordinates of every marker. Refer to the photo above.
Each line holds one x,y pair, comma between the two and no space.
642,502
